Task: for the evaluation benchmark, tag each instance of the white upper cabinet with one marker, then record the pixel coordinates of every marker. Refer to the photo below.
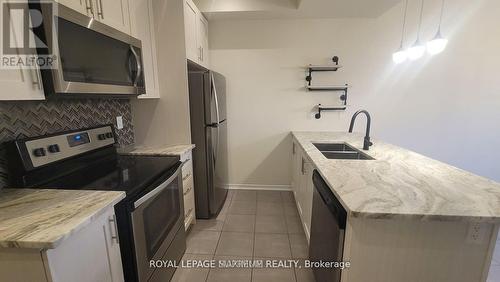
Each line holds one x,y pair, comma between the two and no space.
20,83
196,32
82,6
190,23
203,40
114,13
142,26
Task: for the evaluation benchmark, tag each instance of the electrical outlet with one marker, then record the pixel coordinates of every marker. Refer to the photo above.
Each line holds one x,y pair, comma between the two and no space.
119,122
477,233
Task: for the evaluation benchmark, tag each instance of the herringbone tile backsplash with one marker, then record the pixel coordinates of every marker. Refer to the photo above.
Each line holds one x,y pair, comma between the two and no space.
22,119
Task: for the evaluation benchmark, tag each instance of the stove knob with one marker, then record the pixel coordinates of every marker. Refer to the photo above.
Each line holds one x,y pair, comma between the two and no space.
109,135
39,152
101,136
54,148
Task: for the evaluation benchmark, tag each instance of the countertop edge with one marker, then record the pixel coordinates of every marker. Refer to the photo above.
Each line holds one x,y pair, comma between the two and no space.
43,245
165,150
393,216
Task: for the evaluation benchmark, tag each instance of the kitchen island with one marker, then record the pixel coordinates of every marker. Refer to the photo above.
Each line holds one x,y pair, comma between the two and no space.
407,215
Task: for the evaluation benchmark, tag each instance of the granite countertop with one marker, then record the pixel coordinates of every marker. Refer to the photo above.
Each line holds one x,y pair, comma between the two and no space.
43,218
164,150
401,184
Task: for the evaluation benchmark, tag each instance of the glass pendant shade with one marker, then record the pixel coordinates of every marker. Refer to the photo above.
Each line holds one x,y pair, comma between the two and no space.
416,51
437,45
400,56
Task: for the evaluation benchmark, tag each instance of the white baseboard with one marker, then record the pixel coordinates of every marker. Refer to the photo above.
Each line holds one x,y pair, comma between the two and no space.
259,187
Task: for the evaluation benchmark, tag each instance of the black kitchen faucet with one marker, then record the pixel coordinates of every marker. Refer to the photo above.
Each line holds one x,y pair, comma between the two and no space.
367,143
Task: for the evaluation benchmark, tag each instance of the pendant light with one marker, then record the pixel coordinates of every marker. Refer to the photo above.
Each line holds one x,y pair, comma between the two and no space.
417,50
401,55
438,44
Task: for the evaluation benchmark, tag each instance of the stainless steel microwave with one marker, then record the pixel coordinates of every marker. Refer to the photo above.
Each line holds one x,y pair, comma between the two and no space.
91,58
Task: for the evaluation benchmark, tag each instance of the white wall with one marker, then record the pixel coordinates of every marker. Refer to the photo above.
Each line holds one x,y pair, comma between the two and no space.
165,121
445,107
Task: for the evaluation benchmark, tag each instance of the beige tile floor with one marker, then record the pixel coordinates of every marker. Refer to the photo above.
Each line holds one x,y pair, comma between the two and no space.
251,225
258,225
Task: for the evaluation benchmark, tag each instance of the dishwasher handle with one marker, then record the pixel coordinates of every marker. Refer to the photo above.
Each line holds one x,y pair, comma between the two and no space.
333,204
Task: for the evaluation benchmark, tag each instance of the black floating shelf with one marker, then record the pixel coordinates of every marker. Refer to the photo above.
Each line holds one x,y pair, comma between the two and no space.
328,88
324,67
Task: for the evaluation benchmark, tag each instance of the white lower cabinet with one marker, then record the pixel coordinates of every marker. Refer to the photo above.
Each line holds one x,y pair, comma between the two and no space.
90,254
188,190
302,186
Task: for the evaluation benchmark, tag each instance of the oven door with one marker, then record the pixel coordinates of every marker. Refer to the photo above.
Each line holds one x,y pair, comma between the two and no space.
157,217
91,57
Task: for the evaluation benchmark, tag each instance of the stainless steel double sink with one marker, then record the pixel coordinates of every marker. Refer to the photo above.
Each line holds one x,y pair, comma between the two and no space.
341,151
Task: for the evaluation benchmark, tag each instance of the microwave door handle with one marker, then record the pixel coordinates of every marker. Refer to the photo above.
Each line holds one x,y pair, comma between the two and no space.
158,189
139,66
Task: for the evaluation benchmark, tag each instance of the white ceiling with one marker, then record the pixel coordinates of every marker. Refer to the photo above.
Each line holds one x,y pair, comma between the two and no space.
282,9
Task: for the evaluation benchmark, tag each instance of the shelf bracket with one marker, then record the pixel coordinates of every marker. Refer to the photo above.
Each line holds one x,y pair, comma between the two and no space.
322,109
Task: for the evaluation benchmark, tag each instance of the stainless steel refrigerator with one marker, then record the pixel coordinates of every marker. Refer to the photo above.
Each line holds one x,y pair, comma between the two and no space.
207,99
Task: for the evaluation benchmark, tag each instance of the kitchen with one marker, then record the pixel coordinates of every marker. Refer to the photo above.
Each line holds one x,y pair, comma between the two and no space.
235,115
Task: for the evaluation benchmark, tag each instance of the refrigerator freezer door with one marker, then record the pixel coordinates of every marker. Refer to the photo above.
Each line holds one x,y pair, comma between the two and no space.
217,166
216,103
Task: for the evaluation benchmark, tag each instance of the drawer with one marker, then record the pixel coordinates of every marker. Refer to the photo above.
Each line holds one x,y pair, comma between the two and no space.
187,183
186,156
187,170
189,208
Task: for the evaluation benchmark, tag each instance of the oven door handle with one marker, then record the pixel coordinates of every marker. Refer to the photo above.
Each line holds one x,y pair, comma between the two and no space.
158,189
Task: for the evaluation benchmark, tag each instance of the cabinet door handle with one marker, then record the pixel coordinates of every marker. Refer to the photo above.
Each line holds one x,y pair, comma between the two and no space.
100,9
37,82
187,191
293,148
303,169
112,226
90,6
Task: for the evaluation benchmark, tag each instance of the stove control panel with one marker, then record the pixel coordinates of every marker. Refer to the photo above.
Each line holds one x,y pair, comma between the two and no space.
44,150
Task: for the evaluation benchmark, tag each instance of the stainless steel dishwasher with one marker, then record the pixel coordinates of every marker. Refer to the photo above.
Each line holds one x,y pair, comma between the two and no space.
327,230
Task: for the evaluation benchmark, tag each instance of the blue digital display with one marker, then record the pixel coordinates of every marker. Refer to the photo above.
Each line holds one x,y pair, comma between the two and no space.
78,139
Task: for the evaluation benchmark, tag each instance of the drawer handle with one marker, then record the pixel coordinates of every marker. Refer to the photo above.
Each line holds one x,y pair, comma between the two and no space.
186,177
188,214
187,191
185,162
112,223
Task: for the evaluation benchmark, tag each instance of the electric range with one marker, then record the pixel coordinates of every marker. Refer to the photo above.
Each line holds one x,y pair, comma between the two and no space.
150,219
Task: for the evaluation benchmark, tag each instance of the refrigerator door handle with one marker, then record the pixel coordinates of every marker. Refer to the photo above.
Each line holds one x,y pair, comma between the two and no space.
214,89
216,151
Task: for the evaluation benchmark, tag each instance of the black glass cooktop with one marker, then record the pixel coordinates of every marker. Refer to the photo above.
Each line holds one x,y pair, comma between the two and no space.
135,175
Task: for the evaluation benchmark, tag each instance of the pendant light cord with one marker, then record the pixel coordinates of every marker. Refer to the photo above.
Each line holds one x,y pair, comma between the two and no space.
404,24
441,17
420,21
